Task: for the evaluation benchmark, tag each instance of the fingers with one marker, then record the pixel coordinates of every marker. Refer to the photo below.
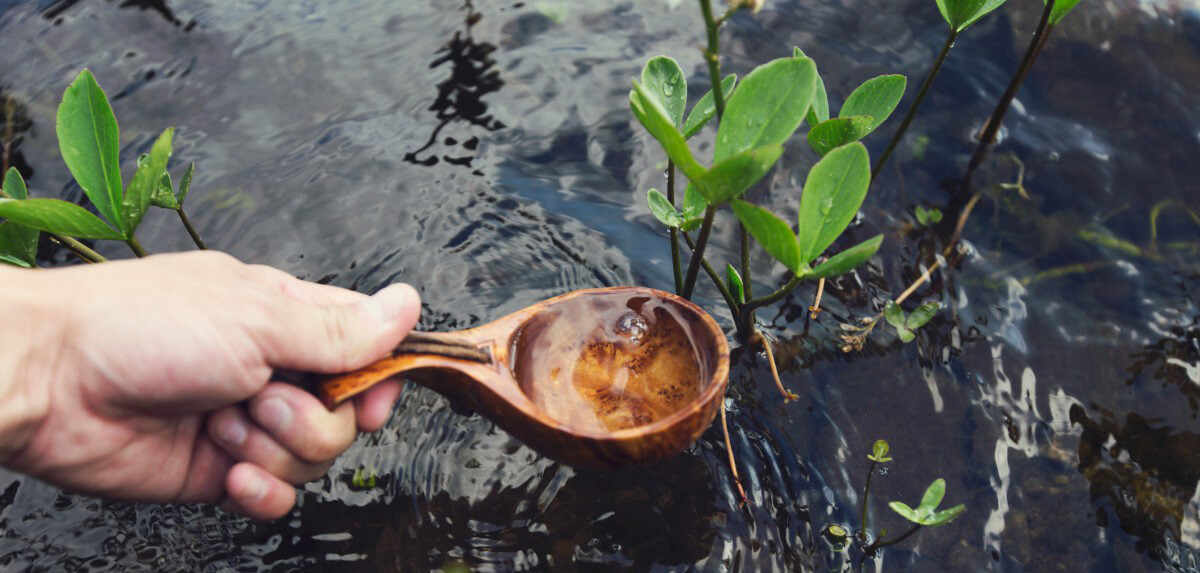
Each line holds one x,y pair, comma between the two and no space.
337,337
373,407
253,492
245,441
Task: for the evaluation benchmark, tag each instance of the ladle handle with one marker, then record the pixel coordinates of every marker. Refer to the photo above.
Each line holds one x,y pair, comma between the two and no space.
336,388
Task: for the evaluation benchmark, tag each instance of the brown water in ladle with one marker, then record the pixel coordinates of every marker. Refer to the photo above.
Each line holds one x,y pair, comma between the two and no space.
599,377
635,364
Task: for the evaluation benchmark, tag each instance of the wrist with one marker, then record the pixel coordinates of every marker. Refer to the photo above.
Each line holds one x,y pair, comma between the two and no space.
27,350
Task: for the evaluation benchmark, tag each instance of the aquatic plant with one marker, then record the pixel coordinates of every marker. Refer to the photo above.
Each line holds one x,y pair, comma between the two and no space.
88,139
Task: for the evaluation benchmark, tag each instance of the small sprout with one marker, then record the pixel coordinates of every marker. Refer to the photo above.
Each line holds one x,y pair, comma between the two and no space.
363,479
929,216
837,536
926,513
880,452
905,325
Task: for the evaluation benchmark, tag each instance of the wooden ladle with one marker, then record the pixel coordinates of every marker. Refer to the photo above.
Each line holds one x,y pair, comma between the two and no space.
606,377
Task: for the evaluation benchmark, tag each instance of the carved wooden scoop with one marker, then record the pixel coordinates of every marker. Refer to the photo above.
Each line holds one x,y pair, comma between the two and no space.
606,377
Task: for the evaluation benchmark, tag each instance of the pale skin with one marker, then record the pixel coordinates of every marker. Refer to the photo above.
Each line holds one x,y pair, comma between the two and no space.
150,380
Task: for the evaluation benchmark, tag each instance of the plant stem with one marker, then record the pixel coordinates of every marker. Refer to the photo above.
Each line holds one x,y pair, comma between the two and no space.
880,544
10,112
862,533
187,224
713,56
752,305
721,286
689,283
788,395
988,133
912,110
136,247
673,231
747,290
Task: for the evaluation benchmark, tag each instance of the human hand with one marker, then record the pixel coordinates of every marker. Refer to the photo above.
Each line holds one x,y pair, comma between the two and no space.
127,379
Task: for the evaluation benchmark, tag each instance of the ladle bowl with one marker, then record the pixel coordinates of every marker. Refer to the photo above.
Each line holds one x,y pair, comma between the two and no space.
600,378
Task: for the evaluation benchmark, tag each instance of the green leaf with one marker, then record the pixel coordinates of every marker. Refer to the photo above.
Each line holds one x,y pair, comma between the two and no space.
19,241
767,107
905,511
665,82
922,314
88,140
14,261
945,516
145,183
735,283
876,97
772,233
57,216
895,317
960,14
164,195
662,209
185,184
735,175
833,192
1061,7
655,119
928,216
833,133
879,452
933,497
14,184
706,108
693,208
848,259
820,106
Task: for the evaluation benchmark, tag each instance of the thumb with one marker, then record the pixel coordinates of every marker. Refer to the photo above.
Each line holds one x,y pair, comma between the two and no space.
338,338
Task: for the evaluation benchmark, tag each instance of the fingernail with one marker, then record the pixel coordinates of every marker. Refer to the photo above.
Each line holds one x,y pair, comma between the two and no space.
274,414
393,302
254,490
231,431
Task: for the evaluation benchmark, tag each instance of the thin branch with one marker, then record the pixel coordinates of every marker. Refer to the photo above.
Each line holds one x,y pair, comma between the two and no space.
732,462
689,283
788,395
721,286
187,224
912,110
674,232
136,247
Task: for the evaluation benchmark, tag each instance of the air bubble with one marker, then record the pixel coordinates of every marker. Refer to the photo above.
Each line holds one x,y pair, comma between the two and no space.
633,328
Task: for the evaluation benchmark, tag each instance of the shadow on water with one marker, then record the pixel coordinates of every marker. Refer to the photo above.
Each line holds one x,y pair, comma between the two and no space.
1057,392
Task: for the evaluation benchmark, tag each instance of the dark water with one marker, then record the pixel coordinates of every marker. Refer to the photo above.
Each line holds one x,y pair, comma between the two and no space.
486,154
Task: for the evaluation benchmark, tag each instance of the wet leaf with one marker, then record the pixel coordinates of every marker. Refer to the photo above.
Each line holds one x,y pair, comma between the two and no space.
767,107
879,452
876,97
735,283
833,192
833,133
662,209
706,108
693,208
14,184
928,216
960,14
848,259
1061,8
895,317
185,184
14,261
665,82
933,497
905,511
655,119
946,516
922,314
737,174
772,233
820,106
88,140
145,183
57,216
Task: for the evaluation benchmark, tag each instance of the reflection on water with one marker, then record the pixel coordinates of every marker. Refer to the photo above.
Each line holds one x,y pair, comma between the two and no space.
460,96
331,140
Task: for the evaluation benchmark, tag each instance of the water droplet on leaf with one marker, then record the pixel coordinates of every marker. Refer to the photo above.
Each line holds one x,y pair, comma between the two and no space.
826,206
